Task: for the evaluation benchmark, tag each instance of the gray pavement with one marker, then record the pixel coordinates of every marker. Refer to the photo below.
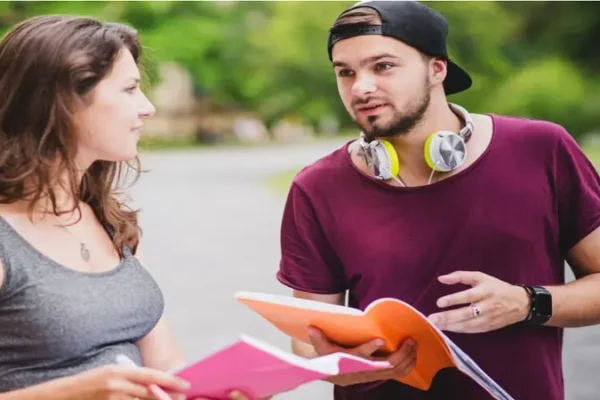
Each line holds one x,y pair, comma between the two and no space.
211,227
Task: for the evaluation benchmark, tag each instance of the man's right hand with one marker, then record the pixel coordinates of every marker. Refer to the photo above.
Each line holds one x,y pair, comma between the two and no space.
402,361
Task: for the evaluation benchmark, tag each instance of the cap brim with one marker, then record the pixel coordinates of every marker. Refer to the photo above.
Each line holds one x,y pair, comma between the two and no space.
457,79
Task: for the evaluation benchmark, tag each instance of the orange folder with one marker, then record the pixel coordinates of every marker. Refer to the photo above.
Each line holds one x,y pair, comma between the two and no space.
388,319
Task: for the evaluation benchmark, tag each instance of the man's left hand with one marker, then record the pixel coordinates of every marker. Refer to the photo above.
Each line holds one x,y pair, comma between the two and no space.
490,304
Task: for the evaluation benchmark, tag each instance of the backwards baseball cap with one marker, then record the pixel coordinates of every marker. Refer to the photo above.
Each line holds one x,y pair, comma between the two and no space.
413,23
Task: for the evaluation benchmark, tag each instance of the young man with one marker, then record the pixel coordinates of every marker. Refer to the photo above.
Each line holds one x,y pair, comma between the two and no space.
471,225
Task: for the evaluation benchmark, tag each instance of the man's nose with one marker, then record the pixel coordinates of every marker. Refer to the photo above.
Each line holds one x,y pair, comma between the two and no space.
363,85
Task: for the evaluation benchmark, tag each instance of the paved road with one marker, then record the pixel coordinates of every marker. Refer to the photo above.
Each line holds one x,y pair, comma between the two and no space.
211,228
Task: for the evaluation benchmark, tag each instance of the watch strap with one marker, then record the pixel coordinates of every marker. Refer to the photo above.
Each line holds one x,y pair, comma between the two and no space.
540,305
529,291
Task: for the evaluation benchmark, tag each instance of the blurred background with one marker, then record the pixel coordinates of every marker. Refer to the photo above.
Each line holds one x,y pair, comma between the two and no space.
228,71
246,96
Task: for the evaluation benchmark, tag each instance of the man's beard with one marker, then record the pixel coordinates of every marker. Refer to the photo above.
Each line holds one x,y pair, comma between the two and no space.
401,122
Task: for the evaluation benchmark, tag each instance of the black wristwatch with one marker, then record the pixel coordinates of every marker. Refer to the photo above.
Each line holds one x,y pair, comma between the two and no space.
540,305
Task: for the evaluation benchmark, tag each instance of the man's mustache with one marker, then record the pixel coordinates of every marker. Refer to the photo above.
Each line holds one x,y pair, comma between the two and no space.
359,102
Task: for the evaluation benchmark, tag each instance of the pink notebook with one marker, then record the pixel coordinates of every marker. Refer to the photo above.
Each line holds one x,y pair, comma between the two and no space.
260,370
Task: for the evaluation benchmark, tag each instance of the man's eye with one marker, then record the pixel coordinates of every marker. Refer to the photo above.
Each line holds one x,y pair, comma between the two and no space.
383,66
344,72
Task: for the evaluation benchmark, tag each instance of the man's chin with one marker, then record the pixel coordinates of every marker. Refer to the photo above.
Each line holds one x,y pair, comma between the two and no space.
369,126
376,130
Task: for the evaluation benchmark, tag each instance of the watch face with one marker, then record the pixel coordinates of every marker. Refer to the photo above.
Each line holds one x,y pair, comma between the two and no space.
543,302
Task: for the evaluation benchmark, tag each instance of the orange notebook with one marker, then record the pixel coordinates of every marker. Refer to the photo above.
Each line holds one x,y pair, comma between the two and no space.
387,318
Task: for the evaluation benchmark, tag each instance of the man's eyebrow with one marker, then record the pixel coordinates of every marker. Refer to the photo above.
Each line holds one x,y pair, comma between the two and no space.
367,60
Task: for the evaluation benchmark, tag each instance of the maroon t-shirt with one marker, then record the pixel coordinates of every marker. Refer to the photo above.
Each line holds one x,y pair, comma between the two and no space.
512,214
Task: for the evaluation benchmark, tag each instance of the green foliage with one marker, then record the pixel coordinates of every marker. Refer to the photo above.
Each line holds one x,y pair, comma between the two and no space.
551,89
533,59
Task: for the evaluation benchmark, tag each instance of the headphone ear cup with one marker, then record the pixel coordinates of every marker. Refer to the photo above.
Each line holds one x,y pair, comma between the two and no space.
386,163
393,164
445,151
429,154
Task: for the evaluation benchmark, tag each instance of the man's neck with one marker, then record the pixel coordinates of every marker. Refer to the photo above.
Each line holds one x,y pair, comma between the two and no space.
410,146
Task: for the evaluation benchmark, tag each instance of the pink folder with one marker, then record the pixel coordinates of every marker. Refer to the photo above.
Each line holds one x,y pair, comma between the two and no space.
261,370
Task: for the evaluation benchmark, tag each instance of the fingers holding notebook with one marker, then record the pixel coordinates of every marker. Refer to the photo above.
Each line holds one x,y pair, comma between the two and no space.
402,361
324,346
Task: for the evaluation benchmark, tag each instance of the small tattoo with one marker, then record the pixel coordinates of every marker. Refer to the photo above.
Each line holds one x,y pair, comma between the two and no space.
363,154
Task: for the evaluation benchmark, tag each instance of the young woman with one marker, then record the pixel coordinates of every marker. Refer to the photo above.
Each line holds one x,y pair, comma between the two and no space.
73,293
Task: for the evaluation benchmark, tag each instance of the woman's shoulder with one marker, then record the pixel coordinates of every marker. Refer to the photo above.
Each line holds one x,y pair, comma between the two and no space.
2,275
4,208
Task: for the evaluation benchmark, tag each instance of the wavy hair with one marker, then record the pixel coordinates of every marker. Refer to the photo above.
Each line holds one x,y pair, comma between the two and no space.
48,67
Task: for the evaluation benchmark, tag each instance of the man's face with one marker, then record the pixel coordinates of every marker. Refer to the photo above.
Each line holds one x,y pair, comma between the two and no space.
384,83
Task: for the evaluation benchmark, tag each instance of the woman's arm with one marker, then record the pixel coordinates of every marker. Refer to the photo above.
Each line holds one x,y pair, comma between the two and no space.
53,390
1,274
158,348
101,383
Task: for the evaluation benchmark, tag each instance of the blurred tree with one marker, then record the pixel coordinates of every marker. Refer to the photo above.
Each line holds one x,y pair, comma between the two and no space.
289,59
530,92
533,59
564,28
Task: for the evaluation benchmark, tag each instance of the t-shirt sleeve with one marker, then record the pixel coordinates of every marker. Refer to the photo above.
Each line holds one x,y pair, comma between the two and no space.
578,191
308,263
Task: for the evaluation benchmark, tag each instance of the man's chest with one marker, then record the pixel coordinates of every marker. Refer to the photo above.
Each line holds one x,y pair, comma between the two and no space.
399,248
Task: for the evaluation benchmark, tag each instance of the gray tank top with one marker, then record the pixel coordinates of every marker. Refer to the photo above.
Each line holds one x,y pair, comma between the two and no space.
55,321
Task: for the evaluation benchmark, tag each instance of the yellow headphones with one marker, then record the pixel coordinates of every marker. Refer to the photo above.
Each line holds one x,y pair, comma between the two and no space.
444,150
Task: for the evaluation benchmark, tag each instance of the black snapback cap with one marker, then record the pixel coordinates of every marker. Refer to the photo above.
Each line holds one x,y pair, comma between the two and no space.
413,23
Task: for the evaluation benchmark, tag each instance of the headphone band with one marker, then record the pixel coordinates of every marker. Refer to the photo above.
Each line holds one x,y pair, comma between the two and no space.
467,131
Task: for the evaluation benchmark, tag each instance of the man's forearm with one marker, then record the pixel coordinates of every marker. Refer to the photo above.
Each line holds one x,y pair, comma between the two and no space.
577,303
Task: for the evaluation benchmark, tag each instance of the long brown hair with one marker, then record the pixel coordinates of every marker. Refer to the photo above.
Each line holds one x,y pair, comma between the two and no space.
48,67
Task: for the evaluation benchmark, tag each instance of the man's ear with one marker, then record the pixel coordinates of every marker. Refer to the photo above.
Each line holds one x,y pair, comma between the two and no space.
438,69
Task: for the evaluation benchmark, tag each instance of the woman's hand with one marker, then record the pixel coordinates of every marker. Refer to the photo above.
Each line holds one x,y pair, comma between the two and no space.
114,382
111,382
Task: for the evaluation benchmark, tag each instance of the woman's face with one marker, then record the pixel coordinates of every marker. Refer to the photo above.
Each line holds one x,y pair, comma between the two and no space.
109,128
